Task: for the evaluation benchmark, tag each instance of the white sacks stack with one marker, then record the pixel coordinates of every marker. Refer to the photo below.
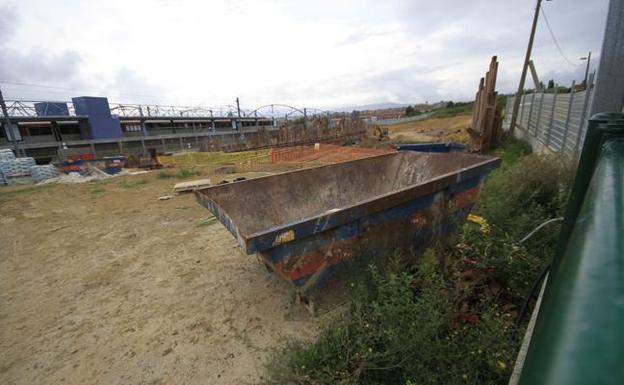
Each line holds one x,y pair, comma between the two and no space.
6,155
11,167
40,173
17,167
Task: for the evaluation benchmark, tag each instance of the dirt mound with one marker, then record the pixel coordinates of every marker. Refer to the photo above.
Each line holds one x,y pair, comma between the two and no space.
451,129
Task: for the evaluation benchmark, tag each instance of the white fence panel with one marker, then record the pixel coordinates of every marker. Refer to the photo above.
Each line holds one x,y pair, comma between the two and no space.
553,122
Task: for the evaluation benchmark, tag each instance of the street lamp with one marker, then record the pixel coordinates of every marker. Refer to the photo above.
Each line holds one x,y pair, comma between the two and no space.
588,58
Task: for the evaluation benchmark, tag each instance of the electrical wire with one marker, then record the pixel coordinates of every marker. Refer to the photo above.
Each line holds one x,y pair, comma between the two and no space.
540,278
534,288
555,39
61,89
65,88
529,235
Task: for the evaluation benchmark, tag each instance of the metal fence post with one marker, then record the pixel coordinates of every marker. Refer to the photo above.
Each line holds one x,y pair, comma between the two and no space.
539,115
567,122
552,117
521,108
528,126
582,123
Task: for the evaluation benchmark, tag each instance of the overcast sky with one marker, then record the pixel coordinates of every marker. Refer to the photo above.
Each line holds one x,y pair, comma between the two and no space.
322,53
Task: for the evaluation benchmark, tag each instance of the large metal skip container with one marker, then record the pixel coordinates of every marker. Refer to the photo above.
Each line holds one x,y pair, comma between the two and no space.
314,224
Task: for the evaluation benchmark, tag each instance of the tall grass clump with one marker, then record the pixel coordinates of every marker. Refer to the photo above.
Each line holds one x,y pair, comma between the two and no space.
402,328
180,174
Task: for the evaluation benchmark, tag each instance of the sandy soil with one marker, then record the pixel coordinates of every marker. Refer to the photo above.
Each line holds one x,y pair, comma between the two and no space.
326,154
451,129
104,284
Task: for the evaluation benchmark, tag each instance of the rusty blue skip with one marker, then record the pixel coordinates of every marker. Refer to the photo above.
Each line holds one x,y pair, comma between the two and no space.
314,225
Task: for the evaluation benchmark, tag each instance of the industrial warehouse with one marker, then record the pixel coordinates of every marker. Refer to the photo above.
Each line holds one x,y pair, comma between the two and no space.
89,125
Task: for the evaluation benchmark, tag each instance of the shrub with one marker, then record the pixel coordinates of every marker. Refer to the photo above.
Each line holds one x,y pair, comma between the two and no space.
512,149
402,329
517,198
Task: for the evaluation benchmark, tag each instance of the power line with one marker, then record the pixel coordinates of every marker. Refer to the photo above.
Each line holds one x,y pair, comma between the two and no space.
63,90
555,40
68,88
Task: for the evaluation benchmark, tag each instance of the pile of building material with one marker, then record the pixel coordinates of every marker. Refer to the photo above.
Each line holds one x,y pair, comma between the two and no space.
41,173
486,113
75,178
15,167
191,185
20,170
6,155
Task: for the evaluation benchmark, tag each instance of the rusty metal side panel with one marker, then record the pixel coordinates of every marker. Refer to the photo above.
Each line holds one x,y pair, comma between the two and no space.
312,227
222,217
310,262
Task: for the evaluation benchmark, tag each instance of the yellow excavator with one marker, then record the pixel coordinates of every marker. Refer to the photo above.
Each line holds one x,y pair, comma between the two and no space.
378,132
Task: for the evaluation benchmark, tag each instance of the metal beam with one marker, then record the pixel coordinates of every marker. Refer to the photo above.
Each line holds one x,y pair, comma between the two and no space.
609,91
536,81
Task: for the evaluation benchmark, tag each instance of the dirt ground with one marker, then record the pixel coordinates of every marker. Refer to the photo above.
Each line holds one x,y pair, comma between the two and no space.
451,129
102,283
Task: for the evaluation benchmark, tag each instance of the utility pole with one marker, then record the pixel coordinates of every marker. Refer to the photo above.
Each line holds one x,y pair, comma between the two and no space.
516,106
9,132
238,111
588,58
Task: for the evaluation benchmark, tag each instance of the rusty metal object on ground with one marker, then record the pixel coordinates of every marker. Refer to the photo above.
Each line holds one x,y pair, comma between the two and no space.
323,224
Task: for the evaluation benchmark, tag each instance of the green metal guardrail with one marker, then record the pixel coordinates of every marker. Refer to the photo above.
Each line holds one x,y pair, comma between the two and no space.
579,333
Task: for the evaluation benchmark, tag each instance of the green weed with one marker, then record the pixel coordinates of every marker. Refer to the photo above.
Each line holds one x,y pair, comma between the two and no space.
207,222
97,190
164,174
402,328
453,109
512,149
181,174
131,184
5,193
187,173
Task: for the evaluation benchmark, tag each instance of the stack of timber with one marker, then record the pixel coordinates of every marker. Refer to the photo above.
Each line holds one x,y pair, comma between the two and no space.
486,113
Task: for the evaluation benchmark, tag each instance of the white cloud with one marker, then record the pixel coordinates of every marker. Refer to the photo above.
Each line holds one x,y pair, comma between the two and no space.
323,53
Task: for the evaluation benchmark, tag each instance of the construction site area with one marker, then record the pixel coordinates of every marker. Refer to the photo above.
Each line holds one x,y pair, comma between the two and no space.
475,240
103,282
